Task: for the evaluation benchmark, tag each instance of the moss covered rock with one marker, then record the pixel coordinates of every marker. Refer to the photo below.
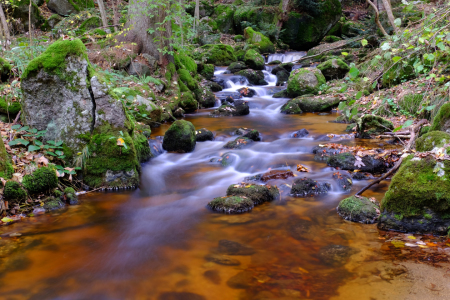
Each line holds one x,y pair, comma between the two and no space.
253,77
41,180
8,107
431,140
237,66
259,40
334,69
307,187
218,55
291,107
419,190
21,11
188,102
187,79
223,16
67,7
208,71
6,168
203,135
71,195
239,143
231,204
239,108
184,61
314,104
5,70
254,60
441,121
180,137
369,125
252,134
256,193
205,97
360,210
305,81
346,161
303,30
14,192
149,112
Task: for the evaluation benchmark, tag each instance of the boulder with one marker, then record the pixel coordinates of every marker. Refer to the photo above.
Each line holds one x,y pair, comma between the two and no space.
346,161
138,69
247,92
223,17
51,22
237,66
272,175
187,79
418,199
317,103
252,134
282,77
307,187
360,210
238,143
180,137
305,28
305,81
343,180
432,140
188,102
66,7
291,107
21,11
254,60
333,69
441,121
369,125
204,134
5,70
218,55
205,97
256,193
151,111
253,77
239,108
258,39
300,133
283,66
231,204
208,71
281,94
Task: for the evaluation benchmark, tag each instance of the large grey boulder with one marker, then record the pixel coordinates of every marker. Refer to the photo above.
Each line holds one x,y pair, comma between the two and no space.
61,7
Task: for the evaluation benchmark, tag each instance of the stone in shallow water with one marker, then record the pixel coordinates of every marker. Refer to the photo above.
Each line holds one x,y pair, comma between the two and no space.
300,133
360,210
213,276
242,280
180,296
222,260
336,255
299,229
234,248
307,187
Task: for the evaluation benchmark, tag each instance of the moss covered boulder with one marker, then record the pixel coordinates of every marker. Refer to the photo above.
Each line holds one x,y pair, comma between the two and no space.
231,204
180,137
237,66
70,195
149,112
21,11
259,40
252,134
312,104
257,193
41,180
8,107
307,187
304,29
239,143
254,60
333,69
431,140
239,108
441,121
369,125
205,97
14,192
418,199
360,210
208,71
5,70
291,107
188,102
223,16
305,81
347,161
218,55
253,77
6,168
203,135
67,7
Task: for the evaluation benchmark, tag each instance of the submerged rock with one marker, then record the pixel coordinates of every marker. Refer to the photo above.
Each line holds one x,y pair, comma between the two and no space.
336,255
222,260
300,133
238,143
307,187
360,210
418,199
252,134
239,108
204,135
228,159
51,204
180,296
247,92
234,248
344,181
273,175
180,137
242,280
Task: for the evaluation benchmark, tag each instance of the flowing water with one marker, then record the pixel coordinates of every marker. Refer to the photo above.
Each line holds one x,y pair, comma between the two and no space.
151,243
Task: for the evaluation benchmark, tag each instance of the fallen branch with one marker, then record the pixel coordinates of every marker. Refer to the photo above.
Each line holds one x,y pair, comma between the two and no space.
17,118
402,136
413,131
315,55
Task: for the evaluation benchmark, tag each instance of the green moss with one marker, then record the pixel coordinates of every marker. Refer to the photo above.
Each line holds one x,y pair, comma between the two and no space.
399,217
5,69
231,204
80,5
259,40
254,60
41,180
431,140
90,23
99,32
218,55
441,120
53,60
14,192
428,216
301,82
208,71
418,184
12,109
170,72
183,61
187,79
373,125
142,147
6,168
188,102
223,15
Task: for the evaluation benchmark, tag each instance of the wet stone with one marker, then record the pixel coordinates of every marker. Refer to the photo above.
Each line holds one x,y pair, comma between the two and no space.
238,143
204,134
180,296
228,159
231,204
307,187
299,229
213,276
249,133
343,180
247,92
234,248
336,255
361,176
300,133
358,209
222,260
242,280
156,146
273,175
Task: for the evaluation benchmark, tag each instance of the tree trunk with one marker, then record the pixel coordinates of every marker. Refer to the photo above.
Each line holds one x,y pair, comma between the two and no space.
388,8
377,18
196,14
282,16
101,7
29,24
115,5
140,22
5,28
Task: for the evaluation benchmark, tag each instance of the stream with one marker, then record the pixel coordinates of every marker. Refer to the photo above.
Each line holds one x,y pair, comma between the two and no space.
161,242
